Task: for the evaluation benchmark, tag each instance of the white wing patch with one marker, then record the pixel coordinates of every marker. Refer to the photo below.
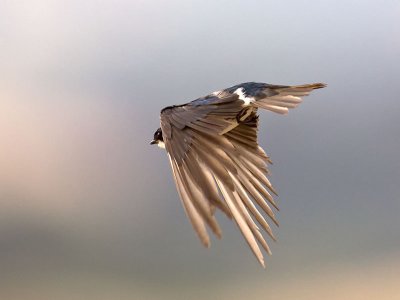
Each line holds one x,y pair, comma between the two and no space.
242,96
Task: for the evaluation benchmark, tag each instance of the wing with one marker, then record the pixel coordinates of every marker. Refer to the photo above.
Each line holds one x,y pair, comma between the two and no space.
217,162
275,98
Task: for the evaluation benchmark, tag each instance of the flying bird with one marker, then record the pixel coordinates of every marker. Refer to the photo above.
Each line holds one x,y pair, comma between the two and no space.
216,161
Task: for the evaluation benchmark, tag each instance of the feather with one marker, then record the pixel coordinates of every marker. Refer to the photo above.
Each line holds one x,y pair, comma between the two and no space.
191,212
243,226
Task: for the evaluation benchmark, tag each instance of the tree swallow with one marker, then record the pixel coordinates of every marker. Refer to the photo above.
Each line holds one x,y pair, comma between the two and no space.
216,161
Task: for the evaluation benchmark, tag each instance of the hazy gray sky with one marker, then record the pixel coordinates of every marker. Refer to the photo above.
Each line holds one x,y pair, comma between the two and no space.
84,196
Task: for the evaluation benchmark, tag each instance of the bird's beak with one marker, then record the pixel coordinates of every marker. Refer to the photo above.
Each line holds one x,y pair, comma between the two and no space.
153,142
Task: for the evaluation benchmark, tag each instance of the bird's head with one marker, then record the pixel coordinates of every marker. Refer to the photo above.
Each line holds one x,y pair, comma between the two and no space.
158,139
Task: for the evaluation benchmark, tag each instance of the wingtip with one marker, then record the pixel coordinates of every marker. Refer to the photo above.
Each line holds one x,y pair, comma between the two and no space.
262,263
318,85
272,236
218,234
314,86
206,243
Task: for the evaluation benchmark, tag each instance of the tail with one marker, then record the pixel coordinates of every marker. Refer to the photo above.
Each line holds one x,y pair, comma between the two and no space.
280,98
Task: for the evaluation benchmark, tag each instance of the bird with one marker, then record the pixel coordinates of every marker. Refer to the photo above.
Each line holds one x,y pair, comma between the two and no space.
217,163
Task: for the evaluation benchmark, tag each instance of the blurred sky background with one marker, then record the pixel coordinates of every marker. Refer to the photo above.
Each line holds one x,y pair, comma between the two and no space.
89,210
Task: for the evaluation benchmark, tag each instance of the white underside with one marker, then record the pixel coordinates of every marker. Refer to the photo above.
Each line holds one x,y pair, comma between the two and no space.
161,144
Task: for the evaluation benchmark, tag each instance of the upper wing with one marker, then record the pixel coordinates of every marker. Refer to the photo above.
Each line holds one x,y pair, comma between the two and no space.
276,98
217,162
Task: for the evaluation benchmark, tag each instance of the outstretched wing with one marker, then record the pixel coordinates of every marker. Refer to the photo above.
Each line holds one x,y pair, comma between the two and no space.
217,162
